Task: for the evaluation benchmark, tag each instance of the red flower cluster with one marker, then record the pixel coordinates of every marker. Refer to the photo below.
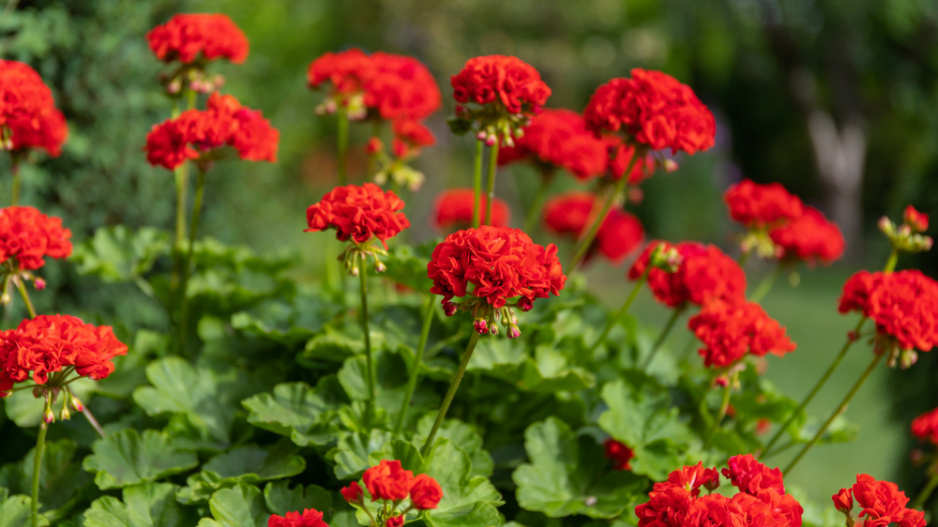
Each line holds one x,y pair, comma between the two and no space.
619,453
917,221
569,214
925,426
359,213
620,157
409,137
186,36
29,236
653,109
730,330
223,123
882,503
761,499
500,263
759,206
28,116
501,80
454,207
809,237
49,343
389,481
394,86
904,305
309,518
705,273
559,138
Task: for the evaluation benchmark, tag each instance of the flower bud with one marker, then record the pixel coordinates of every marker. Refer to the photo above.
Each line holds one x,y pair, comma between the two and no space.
904,231
917,456
373,146
353,271
481,326
39,284
670,165
76,404
482,136
887,227
843,501
525,304
380,267
494,329
65,414
513,332
449,309
174,86
907,358
721,381
48,415
353,493
490,140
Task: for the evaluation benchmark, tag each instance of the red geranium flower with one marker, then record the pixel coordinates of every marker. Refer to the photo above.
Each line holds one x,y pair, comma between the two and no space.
755,205
425,493
388,481
28,112
359,213
224,123
396,521
730,330
925,426
808,237
619,158
654,109
49,343
409,137
882,503
309,518
502,80
752,477
917,221
559,138
569,215
186,37
705,273
619,453
353,493
29,236
454,207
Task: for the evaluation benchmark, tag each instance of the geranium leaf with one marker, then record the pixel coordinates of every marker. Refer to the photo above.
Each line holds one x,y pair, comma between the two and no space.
119,254
246,464
146,505
126,458
351,454
464,436
239,506
62,481
468,501
294,410
280,498
14,510
25,410
288,322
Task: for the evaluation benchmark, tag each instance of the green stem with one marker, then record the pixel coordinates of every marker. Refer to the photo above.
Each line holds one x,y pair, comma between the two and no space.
93,422
923,496
892,261
766,284
816,389
724,406
187,263
37,465
534,212
477,187
342,147
840,409
663,336
622,310
369,360
587,240
25,295
493,168
181,176
454,385
15,168
415,369
744,257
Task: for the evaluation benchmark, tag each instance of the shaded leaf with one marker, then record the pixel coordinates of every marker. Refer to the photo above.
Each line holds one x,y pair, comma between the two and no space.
242,465
147,505
280,498
294,410
119,254
126,458
240,506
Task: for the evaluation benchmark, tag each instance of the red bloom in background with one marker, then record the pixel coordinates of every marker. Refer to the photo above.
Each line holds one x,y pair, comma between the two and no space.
916,220
756,205
359,213
903,304
425,493
501,80
619,453
569,215
752,477
394,86
29,236
186,37
353,493
397,521
28,111
730,330
881,501
49,343
309,518
809,237
653,109
453,208
409,137
498,262
223,123
925,426
559,138
388,481
621,156
705,274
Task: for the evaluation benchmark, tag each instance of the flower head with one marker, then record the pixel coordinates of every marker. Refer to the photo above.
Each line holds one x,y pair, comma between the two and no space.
501,80
454,207
409,137
196,133
881,501
704,273
757,205
388,481
353,493
809,237
425,493
308,518
730,330
925,426
29,236
652,109
187,37
358,213
559,139
49,343
570,215
396,521
752,477
619,453
28,116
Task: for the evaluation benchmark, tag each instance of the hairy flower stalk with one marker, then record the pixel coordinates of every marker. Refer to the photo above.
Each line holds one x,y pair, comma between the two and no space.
428,315
181,176
617,317
662,337
724,406
451,392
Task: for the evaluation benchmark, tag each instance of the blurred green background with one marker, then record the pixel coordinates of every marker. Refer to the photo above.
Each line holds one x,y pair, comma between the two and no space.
836,99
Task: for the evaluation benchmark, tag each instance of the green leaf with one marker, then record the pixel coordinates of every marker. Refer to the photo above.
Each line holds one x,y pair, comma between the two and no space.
280,498
62,481
407,265
147,505
126,458
240,506
547,372
118,254
463,436
645,420
14,511
25,410
246,464
294,410
569,475
468,501
290,323
351,454
130,370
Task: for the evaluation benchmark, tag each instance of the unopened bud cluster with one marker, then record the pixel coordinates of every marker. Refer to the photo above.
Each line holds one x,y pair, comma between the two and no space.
353,106
193,79
355,255
907,237
486,318
491,124
668,260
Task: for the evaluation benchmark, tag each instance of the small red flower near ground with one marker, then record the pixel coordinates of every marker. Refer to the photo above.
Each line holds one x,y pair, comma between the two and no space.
757,206
453,208
619,453
30,236
187,37
396,521
705,273
308,518
425,493
569,215
731,330
388,481
28,116
358,213
881,501
925,426
653,109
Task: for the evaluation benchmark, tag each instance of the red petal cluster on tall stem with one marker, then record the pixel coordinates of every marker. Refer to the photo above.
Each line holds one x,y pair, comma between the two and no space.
925,426
188,37
730,330
503,80
570,215
28,116
388,480
358,213
559,138
810,237
705,273
882,503
409,137
30,236
757,205
453,208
